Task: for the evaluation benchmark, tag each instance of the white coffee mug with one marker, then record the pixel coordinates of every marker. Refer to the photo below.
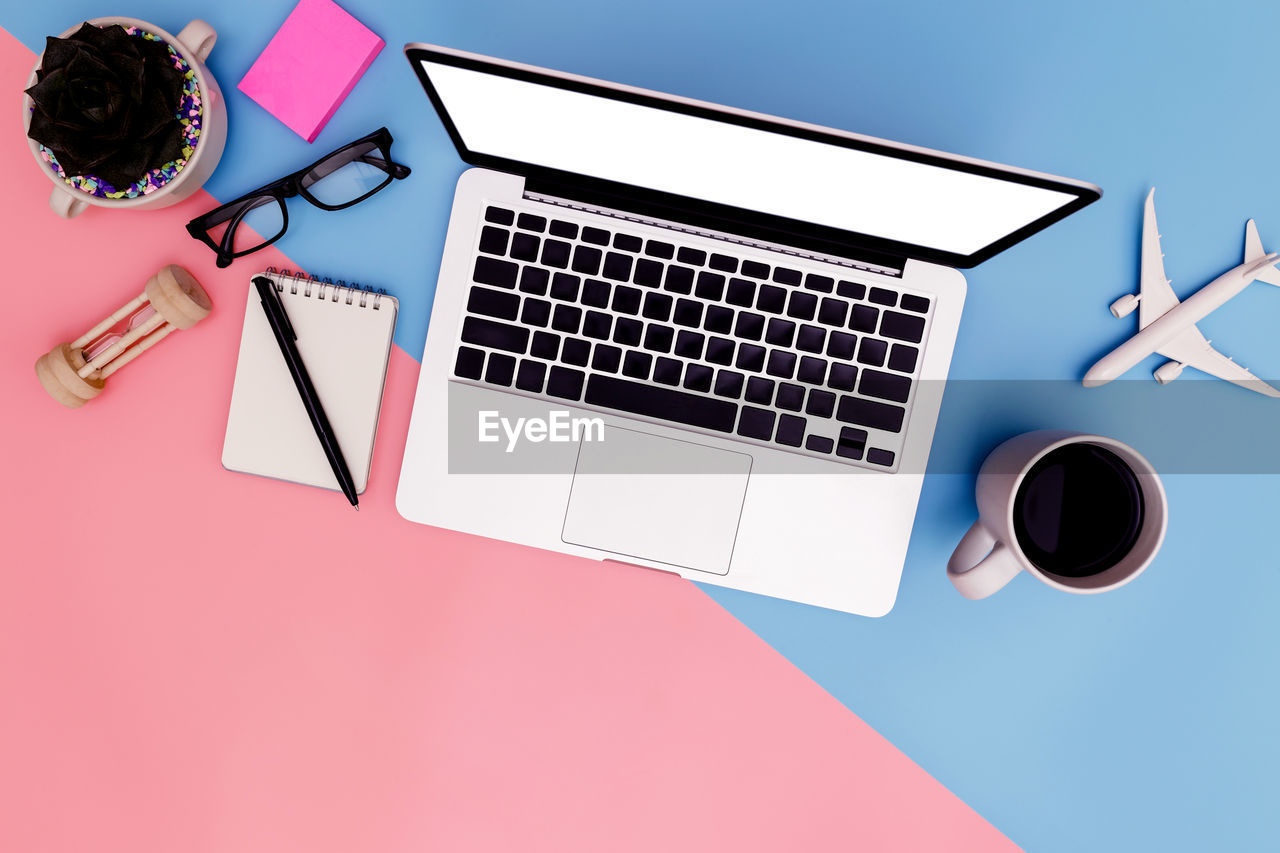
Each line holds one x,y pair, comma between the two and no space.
194,43
989,555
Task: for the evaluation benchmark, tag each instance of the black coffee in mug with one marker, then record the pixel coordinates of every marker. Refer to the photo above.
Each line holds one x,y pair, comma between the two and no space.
1078,511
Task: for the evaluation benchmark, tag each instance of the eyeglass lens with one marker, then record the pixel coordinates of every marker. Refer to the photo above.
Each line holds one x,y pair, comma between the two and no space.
257,221
348,176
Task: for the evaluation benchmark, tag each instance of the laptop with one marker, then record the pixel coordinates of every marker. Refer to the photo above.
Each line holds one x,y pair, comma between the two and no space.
693,338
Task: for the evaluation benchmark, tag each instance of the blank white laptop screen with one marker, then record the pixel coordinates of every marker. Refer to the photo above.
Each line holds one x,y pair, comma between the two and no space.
869,193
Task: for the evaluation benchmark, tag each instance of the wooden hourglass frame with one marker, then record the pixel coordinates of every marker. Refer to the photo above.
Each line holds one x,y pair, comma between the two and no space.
178,302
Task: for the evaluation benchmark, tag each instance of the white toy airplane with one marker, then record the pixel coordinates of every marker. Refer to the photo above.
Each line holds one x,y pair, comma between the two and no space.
1167,326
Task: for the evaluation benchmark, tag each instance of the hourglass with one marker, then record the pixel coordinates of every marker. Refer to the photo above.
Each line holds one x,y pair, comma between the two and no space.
76,372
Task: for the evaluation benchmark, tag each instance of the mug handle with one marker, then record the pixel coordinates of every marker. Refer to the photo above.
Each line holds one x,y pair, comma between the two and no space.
981,565
66,205
197,39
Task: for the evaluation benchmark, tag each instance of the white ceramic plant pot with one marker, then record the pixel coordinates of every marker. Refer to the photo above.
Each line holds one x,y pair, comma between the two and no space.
194,44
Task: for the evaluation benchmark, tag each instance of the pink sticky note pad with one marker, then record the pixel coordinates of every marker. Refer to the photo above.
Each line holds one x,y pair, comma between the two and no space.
311,65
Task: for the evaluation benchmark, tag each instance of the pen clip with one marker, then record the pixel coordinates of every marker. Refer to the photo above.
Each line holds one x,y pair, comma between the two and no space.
268,293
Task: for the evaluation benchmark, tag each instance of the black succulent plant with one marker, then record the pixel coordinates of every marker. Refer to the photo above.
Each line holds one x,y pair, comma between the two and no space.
105,104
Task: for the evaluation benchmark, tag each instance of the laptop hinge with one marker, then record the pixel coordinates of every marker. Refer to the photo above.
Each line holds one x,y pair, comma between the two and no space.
740,232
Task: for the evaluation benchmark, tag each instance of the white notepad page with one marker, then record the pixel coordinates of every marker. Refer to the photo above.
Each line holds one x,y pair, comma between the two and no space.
344,338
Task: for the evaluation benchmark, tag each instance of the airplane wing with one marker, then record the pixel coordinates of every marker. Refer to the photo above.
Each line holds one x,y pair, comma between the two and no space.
1157,296
1191,348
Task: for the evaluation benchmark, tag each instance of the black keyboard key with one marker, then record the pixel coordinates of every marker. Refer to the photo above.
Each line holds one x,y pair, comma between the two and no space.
695,257
627,331
710,286
886,386
687,313
626,300
741,292
852,443
657,306
728,384
863,318
567,319
871,351
658,338
723,263
720,351
536,312
821,403
565,382
679,279
918,304
781,364
902,327
820,283
790,430
500,370
818,444
855,410
697,377
500,215
689,344
531,375
841,345
524,247
534,280
811,338
664,403
532,222
494,335
596,293
802,305
851,290
882,296
785,276
749,326
576,351
560,228
667,370
555,253
903,357
760,390
493,240
493,303
719,319
755,269
842,377
469,363
595,235
772,299
627,242
495,272
878,456
617,266
586,260
790,397
637,364
756,423
545,345
780,332
750,357
606,358
812,370
597,325
648,273
658,249
565,286
833,312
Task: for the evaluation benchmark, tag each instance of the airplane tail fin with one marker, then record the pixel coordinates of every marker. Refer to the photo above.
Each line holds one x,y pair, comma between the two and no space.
1253,251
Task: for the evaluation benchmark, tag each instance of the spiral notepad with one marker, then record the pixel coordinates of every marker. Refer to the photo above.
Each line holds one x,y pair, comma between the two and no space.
344,337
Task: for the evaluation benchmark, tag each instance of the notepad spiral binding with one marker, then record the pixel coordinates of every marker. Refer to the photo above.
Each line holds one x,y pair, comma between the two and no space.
310,284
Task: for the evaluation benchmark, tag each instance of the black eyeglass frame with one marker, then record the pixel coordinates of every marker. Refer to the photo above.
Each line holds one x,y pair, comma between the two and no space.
286,188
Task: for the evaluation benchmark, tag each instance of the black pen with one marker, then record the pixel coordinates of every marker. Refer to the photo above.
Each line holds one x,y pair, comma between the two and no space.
286,338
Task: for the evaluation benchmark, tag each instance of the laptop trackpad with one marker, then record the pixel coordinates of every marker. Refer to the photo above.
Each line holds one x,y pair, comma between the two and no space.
660,499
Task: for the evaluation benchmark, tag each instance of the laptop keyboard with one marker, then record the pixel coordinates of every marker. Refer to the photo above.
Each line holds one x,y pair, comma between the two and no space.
771,354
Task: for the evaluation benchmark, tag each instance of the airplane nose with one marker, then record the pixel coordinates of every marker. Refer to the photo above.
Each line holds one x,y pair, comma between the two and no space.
1095,377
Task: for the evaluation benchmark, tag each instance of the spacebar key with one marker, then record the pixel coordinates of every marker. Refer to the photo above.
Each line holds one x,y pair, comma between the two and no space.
661,403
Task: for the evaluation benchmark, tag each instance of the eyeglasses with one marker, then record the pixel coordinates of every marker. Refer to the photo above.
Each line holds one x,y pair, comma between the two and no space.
340,179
